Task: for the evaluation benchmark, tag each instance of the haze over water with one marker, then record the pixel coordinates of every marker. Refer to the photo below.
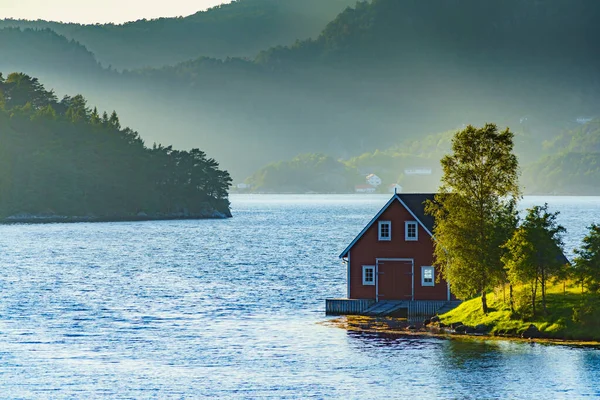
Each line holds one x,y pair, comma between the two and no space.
232,309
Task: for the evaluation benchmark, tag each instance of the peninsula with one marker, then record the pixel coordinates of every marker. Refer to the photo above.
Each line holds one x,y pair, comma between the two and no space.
61,160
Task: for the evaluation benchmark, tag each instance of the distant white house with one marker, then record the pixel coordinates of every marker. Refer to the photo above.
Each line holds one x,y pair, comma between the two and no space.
373,180
584,120
418,171
243,186
364,189
395,188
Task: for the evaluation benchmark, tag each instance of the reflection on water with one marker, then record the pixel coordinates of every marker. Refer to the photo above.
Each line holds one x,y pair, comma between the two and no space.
231,309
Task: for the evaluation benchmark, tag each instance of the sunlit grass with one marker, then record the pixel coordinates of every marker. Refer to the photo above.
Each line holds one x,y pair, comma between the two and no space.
571,314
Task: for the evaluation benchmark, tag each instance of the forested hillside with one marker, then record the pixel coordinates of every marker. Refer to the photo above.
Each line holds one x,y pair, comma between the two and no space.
568,164
379,74
305,173
572,165
46,49
61,158
239,29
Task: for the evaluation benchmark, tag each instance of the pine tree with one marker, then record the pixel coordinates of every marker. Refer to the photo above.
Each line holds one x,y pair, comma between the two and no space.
95,117
114,121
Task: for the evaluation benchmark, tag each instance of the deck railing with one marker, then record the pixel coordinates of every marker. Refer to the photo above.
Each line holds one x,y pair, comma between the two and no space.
347,306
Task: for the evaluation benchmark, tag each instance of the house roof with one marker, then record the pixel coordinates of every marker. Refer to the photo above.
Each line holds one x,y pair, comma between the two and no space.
414,203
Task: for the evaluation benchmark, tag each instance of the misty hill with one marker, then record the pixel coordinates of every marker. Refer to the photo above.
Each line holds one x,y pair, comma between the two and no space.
572,167
45,49
240,29
379,74
305,173
63,158
568,164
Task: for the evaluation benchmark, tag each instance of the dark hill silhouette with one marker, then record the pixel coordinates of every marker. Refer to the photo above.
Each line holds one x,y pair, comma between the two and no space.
61,158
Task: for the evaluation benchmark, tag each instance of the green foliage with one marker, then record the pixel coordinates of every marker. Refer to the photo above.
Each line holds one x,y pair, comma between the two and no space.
475,210
58,158
587,262
19,89
571,315
534,253
586,313
305,173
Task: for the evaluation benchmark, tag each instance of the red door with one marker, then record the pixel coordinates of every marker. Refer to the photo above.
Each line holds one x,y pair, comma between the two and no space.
395,280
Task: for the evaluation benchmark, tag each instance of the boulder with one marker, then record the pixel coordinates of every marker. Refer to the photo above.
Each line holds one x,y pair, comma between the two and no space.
412,328
426,322
435,318
455,324
482,328
470,330
532,332
460,329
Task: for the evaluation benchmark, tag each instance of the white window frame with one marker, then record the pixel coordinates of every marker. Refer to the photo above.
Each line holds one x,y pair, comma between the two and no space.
416,225
423,269
384,239
364,275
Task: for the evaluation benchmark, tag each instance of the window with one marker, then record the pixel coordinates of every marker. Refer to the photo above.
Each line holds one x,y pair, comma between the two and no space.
368,275
385,230
411,232
427,276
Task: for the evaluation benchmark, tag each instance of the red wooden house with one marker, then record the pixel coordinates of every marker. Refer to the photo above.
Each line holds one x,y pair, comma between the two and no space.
392,258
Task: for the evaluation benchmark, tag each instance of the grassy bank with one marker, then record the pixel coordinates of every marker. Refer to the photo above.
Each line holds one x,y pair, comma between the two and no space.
571,315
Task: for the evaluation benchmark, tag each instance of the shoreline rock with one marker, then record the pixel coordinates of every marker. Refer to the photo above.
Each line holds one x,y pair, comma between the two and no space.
403,327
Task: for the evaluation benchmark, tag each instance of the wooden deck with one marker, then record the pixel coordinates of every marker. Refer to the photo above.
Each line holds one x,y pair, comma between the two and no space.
402,309
347,306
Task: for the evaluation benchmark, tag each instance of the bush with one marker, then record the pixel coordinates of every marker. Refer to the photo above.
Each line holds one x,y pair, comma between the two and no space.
587,313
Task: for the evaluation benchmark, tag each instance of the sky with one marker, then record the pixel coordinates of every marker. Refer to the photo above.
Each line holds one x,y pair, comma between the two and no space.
92,11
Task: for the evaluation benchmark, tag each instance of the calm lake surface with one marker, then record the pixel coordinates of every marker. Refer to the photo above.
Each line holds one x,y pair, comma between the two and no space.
231,309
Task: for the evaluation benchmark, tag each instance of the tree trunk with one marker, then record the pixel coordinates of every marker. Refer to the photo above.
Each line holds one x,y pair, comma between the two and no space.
511,298
484,302
533,296
543,282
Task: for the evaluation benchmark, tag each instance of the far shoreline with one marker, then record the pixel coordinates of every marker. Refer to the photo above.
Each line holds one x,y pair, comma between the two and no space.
308,193
36,220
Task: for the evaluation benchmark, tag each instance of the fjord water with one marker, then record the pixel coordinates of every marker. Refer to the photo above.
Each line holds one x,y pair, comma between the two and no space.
232,309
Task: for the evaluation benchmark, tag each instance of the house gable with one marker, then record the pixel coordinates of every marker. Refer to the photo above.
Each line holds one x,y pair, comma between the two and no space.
413,203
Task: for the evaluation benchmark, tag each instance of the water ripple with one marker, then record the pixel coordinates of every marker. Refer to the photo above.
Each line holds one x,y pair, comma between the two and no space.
229,309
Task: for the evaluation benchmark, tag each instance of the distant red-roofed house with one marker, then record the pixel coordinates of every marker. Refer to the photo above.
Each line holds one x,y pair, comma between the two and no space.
365,189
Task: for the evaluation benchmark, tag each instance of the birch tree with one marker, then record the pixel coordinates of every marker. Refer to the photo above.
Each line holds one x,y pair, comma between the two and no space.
475,210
